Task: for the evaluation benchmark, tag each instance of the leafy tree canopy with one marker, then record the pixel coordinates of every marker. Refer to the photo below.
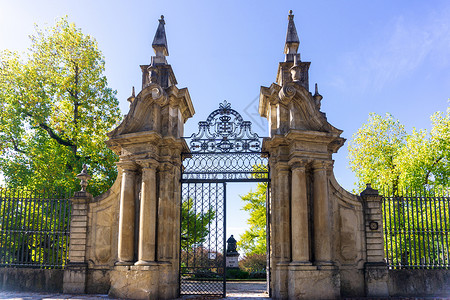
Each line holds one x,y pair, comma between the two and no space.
253,241
55,110
384,154
195,224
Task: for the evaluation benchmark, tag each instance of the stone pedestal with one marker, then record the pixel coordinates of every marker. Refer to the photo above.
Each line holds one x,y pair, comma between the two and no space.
75,278
376,277
155,281
232,261
232,256
280,281
309,282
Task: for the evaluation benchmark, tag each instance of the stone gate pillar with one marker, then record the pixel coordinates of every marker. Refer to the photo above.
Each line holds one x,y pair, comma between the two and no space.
75,272
313,253
149,144
376,272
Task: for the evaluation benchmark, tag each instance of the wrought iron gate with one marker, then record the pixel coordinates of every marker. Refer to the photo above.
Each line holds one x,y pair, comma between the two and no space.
202,238
224,150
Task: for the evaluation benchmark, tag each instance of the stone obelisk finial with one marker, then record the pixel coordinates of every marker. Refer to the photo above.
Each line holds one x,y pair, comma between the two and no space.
160,44
292,41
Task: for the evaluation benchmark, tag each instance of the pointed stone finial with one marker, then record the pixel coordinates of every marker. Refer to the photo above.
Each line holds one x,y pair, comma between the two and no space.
292,41
84,177
159,41
317,97
132,97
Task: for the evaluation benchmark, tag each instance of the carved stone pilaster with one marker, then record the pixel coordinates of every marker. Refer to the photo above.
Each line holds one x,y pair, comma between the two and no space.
299,213
127,213
166,210
322,218
147,213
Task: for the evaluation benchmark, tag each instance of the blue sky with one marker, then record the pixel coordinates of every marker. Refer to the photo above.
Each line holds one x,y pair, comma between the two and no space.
366,56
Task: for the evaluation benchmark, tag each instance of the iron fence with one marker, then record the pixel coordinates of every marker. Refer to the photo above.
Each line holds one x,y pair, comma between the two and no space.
416,231
34,228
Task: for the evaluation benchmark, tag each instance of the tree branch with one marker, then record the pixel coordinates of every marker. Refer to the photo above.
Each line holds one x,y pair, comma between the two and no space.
427,175
52,134
16,147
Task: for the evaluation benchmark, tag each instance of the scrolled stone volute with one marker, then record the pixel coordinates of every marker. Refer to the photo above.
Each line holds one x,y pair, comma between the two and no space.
291,107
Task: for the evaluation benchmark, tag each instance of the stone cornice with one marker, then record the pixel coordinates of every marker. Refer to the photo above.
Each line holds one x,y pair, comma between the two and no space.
274,142
267,96
332,140
311,136
136,138
183,101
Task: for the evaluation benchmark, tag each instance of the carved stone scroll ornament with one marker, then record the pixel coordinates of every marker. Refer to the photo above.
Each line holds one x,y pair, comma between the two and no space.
287,92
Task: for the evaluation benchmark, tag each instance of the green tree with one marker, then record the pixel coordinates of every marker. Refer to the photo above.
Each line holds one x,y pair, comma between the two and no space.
382,153
401,165
254,263
253,241
55,110
194,224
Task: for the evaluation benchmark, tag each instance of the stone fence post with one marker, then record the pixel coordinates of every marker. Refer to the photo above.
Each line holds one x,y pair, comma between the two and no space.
76,268
376,272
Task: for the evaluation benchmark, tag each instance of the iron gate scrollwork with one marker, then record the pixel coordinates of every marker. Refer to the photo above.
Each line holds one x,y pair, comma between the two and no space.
224,150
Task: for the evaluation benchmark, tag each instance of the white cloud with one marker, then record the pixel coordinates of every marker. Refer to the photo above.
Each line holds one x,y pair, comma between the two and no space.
396,51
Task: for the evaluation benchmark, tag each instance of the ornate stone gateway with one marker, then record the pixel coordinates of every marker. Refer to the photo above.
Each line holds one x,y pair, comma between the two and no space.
159,231
224,150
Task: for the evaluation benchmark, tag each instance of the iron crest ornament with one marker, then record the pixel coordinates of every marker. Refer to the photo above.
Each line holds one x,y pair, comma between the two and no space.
225,131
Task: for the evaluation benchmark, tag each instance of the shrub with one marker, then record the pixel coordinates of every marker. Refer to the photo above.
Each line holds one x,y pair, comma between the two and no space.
253,263
237,274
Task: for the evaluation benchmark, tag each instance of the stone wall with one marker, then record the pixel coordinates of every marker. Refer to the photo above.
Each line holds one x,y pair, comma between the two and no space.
31,280
101,248
419,283
349,251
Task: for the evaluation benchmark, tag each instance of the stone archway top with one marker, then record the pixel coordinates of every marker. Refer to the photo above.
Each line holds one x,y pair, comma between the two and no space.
141,108
292,92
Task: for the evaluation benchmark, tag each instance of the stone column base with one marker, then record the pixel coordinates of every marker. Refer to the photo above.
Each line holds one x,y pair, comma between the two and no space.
280,281
74,281
144,282
310,282
376,278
